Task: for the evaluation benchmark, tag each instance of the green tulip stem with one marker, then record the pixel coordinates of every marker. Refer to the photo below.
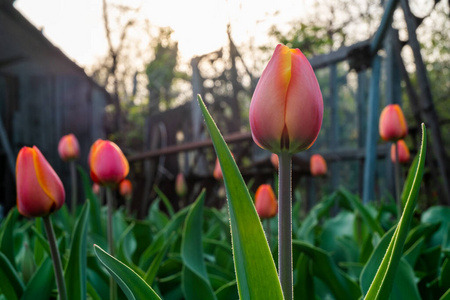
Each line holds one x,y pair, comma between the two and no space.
110,204
57,266
397,181
73,177
285,225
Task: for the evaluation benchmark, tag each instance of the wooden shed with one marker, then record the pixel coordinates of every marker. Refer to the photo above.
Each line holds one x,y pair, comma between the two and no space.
43,96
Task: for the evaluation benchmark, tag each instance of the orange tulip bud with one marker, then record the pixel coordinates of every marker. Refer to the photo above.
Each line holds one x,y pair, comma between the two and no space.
403,152
125,188
39,189
180,185
68,147
265,202
217,173
274,160
318,165
287,107
392,124
108,164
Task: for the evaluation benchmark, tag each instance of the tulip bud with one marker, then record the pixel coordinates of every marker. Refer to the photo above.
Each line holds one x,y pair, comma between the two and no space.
403,152
217,173
265,202
318,165
392,125
180,185
96,188
68,147
274,160
108,164
287,107
125,188
39,189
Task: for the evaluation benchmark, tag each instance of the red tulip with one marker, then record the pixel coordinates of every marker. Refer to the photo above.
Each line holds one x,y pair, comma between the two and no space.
125,188
265,202
108,164
403,152
318,165
68,147
287,107
39,189
180,185
392,124
274,160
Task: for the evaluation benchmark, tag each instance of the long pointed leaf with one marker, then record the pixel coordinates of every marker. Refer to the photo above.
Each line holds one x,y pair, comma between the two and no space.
6,236
195,280
256,274
11,285
133,286
41,283
75,272
384,279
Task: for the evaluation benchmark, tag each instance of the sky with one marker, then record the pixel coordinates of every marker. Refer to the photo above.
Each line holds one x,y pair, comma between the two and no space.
76,26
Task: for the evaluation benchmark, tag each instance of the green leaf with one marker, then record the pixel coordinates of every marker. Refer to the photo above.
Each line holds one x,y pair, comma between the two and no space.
303,278
436,215
227,291
256,274
11,285
383,281
165,200
195,278
326,270
365,214
94,211
133,286
7,236
41,283
75,271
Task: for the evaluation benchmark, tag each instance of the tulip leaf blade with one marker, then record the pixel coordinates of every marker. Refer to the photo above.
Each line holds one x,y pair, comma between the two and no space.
41,283
383,280
7,236
194,278
132,285
75,272
12,286
256,275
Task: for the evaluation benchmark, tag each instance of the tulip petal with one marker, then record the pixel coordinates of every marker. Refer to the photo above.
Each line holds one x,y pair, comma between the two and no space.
107,162
267,108
304,104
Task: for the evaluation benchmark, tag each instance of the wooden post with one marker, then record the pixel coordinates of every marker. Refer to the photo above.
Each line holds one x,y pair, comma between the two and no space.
334,136
7,147
361,117
372,131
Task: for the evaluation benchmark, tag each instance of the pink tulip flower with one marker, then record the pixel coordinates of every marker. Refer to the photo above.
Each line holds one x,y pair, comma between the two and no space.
287,107
265,202
39,189
68,147
125,188
392,124
108,164
180,185
318,165
403,152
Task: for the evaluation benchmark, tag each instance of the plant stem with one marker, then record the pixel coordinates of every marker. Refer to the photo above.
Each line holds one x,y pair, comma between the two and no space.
57,267
285,225
110,204
397,182
73,177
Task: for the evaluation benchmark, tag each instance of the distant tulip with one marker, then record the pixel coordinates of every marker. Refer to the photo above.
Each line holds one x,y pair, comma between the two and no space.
68,147
392,124
403,152
217,173
265,202
180,185
125,188
318,165
108,164
39,189
274,160
96,188
287,107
